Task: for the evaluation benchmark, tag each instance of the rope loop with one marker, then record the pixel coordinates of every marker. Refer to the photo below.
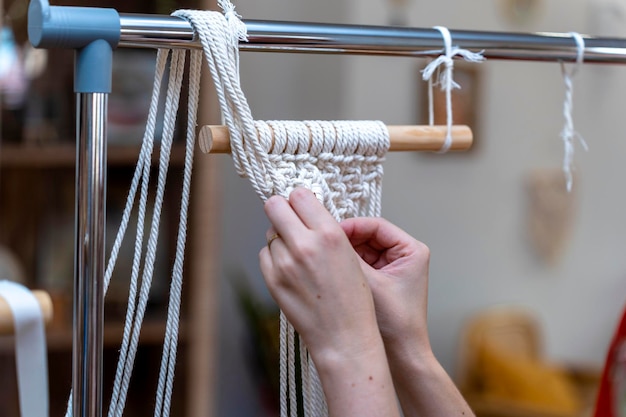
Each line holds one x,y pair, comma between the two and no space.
445,79
340,161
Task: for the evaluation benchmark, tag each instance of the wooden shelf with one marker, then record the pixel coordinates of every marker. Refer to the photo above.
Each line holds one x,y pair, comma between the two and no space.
60,338
64,155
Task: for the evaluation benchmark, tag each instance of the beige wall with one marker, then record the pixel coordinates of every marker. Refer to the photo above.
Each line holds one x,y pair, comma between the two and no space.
470,209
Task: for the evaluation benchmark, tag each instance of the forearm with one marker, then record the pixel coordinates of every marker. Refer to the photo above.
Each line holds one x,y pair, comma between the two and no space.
425,389
358,385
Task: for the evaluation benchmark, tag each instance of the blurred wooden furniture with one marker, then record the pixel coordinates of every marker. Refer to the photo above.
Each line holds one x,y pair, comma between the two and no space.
503,372
6,315
37,178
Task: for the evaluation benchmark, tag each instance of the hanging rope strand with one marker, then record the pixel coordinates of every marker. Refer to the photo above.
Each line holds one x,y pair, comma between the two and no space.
116,408
340,161
569,134
446,78
173,95
141,173
168,362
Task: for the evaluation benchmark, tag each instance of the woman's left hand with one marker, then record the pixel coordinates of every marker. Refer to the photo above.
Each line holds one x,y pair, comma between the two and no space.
315,276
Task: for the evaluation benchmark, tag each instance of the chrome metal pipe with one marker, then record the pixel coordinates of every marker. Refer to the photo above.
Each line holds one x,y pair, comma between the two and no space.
89,254
168,31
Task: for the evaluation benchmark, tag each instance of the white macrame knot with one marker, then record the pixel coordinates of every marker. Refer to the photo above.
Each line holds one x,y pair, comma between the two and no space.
447,61
340,161
239,30
445,79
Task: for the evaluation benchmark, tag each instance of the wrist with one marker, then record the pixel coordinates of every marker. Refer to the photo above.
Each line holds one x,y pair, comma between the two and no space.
358,383
410,355
350,358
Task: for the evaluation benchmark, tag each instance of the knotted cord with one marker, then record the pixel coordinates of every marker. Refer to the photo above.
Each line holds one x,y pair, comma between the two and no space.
569,133
341,161
446,79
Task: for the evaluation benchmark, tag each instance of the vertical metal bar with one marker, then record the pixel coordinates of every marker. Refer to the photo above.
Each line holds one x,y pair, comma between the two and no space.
89,253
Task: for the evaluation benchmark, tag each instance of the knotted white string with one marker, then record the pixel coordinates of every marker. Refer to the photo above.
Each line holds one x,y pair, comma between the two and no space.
446,78
568,134
340,161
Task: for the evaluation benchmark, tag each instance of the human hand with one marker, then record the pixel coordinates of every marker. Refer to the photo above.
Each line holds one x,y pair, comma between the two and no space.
396,267
315,277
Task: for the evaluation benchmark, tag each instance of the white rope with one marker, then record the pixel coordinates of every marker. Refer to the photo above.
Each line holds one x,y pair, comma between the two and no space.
143,168
283,365
168,361
142,172
340,161
305,373
291,371
446,79
125,368
138,302
568,134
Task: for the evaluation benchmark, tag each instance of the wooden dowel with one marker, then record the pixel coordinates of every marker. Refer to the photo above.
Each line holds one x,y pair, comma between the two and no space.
216,139
6,315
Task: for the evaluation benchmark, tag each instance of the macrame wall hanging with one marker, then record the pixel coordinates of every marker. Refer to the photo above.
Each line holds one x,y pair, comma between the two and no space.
341,161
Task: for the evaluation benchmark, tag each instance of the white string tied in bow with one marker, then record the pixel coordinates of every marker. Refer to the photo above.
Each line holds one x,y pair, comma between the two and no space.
446,79
568,134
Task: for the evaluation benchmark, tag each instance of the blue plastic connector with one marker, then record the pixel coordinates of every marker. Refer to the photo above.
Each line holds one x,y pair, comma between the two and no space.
92,32
71,27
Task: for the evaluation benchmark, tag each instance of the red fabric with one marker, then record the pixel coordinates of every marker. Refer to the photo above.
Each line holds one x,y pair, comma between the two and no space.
604,406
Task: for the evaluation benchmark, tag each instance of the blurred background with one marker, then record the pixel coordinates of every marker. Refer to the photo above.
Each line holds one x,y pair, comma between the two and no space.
519,266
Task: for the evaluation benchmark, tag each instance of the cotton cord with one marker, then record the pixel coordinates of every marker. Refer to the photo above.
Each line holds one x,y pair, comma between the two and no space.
283,365
569,133
341,161
446,78
126,358
140,288
168,361
125,367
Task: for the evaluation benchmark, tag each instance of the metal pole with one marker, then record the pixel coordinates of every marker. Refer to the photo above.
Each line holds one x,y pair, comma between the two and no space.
89,253
273,36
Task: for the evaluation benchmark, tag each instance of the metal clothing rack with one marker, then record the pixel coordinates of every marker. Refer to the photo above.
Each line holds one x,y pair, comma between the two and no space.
95,32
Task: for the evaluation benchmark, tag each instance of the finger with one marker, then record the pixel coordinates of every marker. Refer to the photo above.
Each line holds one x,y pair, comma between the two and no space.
376,232
267,267
277,249
270,236
311,212
284,219
368,254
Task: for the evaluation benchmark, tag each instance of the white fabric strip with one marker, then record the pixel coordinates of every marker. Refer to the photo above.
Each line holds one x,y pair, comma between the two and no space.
30,349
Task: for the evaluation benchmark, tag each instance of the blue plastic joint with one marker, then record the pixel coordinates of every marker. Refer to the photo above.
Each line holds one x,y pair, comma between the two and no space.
92,32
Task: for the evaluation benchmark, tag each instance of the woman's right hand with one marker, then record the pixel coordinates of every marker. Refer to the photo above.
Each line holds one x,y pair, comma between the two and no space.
396,267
